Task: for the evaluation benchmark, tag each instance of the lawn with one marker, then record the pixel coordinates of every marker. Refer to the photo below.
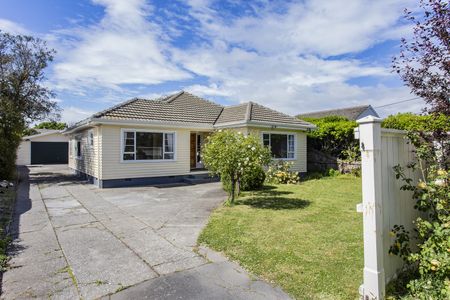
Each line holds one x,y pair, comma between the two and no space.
306,238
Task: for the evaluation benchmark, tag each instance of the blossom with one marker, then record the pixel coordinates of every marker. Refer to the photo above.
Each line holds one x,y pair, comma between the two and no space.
441,172
422,185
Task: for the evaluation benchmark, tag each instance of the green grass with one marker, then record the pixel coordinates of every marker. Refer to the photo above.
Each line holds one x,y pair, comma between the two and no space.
306,238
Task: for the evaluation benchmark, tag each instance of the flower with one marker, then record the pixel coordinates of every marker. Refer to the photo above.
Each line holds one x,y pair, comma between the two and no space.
441,172
439,182
421,185
435,262
253,148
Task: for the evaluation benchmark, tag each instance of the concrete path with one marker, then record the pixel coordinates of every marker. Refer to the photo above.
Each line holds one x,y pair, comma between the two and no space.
73,240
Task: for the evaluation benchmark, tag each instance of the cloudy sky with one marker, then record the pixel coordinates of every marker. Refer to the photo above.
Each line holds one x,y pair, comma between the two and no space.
294,56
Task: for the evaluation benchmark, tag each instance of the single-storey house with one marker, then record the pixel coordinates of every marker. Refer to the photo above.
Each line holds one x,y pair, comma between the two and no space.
46,147
145,141
352,113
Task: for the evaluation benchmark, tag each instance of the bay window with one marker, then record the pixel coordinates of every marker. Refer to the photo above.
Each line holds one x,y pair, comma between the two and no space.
281,145
144,145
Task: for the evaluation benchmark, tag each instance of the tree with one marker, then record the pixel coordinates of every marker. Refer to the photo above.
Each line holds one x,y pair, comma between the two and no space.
231,154
23,97
51,125
424,61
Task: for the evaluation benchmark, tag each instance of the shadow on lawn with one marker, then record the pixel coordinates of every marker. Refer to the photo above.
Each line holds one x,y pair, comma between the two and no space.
270,198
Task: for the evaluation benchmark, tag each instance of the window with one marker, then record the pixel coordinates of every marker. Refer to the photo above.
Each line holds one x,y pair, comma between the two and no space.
76,148
91,138
139,145
281,145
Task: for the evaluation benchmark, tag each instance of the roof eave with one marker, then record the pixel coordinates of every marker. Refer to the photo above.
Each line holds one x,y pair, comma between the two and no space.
158,123
265,124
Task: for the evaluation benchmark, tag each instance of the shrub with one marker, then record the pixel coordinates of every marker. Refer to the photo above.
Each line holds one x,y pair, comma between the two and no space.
280,173
232,155
406,121
334,135
250,181
253,180
333,173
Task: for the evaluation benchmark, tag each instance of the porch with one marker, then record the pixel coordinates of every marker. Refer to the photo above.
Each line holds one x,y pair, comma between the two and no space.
197,140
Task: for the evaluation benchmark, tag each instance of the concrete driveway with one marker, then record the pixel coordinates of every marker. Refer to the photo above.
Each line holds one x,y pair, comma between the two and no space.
73,240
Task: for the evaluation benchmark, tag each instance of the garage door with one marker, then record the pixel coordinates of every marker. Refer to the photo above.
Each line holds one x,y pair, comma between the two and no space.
49,152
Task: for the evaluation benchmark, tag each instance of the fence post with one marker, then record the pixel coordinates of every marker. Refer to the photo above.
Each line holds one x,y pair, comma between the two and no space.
370,144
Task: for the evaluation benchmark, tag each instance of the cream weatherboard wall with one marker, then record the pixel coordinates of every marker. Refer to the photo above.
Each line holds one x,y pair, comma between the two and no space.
89,161
113,167
104,160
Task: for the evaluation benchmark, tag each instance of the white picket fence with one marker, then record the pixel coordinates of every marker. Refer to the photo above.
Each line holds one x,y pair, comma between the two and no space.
384,204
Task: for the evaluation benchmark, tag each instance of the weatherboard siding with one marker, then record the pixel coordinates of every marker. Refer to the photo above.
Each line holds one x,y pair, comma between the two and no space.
114,168
88,162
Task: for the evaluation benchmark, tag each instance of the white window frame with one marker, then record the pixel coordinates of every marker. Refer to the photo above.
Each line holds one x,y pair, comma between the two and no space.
90,139
134,130
287,141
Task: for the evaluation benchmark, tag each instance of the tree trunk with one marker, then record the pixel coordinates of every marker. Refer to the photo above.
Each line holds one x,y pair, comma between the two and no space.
238,192
233,188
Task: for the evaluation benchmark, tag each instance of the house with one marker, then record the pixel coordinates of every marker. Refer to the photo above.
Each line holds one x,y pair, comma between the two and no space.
159,141
352,113
46,147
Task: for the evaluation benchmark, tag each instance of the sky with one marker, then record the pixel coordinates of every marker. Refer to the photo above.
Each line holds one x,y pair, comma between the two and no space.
292,56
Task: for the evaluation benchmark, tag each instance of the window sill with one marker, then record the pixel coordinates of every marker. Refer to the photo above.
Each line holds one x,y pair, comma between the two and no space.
148,161
285,159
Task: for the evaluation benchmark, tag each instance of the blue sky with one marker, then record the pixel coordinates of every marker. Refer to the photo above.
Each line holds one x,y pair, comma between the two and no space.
293,56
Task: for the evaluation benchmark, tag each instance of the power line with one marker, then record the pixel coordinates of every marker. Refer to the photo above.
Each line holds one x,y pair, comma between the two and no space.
393,103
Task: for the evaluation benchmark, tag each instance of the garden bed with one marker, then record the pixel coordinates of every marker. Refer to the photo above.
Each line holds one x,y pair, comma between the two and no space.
306,238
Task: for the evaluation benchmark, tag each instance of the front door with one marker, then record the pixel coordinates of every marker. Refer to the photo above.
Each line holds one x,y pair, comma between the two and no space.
198,153
193,150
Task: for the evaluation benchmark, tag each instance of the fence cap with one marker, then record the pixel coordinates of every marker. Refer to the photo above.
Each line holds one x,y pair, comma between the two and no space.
369,119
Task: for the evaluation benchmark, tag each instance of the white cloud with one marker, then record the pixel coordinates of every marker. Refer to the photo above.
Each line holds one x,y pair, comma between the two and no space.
74,114
322,28
12,27
284,58
124,48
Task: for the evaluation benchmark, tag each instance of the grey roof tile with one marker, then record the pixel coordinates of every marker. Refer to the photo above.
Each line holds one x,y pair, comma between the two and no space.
187,108
182,107
233,113
350,113
265,114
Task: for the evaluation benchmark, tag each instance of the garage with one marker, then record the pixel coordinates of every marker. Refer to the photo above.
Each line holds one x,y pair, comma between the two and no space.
46,147
49,153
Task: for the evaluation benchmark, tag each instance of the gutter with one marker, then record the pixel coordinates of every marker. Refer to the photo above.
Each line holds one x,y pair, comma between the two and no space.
263,124
167,124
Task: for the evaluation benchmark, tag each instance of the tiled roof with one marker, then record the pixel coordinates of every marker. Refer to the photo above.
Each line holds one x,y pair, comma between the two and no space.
184,107
181,107
265,114
350,113
233,113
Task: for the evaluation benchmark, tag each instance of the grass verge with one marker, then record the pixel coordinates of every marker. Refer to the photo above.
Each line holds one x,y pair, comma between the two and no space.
306,238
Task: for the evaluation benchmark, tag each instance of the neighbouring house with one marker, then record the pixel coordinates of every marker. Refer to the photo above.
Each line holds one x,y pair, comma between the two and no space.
159,141
47,147
352,113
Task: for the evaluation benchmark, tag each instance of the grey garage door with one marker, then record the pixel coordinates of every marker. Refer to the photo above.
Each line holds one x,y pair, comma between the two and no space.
49,153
